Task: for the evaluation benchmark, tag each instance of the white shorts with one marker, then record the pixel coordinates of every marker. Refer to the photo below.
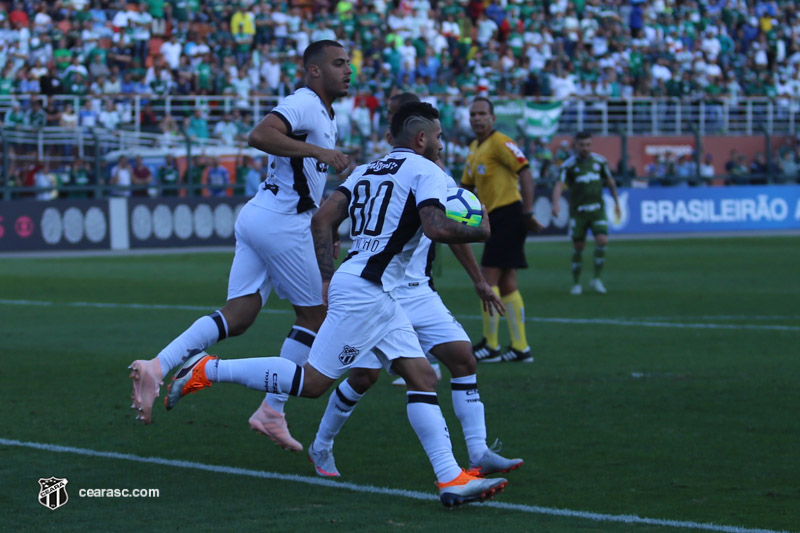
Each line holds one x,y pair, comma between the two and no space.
361,319
431,320
275,251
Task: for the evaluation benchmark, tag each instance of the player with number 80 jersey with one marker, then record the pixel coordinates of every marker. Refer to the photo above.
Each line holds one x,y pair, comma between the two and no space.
385,233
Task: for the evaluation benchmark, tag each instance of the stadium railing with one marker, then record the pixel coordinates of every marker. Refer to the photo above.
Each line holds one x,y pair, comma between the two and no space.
604,116
57,147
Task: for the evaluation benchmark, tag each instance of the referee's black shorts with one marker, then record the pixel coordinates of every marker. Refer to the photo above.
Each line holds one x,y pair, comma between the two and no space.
506,246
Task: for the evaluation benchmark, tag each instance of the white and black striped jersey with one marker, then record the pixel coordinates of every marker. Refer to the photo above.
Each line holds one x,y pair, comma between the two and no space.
385,196
296,184
418,271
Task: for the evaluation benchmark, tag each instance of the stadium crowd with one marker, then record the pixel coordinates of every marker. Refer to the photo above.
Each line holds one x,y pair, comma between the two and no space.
106,51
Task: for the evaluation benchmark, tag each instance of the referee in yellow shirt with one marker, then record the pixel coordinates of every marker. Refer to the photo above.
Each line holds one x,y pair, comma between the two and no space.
499,174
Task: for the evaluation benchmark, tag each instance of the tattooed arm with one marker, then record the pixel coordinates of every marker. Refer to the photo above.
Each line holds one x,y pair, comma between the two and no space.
323,224
437,227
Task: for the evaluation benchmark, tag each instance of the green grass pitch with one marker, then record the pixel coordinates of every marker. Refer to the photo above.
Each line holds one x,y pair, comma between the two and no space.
674,397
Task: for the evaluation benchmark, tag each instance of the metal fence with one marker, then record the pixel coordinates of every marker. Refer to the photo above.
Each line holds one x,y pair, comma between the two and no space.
59,146
604,116
673,116
56,147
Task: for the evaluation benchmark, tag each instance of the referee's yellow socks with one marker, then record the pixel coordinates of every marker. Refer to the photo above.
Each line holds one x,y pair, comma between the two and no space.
515,315
490,325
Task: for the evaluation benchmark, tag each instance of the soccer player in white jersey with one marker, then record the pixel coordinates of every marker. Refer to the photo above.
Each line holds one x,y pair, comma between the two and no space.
439,334
274,249
390,202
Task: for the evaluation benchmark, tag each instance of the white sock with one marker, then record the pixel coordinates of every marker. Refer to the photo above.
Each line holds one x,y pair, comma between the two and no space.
295,348
267,374
469,409
205,331
429,425
340,406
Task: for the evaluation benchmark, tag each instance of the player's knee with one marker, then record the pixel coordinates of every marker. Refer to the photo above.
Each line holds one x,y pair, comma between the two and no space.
423,380
430,380
241,321
238,323
312,392
236,328
465,366
240,313
310,317
458,358
314,383
602,239
361,379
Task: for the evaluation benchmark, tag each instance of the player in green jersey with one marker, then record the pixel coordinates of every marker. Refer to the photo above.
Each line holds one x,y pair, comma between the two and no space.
585,173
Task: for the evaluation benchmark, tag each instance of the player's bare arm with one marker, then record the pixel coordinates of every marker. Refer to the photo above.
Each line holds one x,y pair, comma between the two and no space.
271,136
557,191
526,190
491,302
323,223
437,227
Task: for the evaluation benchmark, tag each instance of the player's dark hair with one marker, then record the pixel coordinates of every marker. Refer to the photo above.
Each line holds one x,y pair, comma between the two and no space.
412,117
401,99
316,50
397,101
583,134
484,99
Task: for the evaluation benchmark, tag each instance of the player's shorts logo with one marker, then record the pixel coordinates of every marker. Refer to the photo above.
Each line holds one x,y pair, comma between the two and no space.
348,355
53,492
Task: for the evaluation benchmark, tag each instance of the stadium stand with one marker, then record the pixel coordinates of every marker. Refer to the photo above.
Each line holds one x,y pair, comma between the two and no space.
636,67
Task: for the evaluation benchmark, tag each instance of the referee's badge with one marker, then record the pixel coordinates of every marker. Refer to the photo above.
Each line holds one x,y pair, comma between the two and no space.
481,169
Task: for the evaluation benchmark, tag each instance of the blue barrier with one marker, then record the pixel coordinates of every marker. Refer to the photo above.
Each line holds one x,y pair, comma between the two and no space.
118,223
125,223
705,209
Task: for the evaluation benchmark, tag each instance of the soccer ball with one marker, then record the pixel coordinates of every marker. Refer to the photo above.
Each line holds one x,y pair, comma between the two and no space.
463,206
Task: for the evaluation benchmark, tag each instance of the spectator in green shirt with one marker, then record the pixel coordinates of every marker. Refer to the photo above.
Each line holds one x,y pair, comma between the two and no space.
203,75
198,125
80,176
7,79
194,175
169,177
36,116
241,123
16,117
62,55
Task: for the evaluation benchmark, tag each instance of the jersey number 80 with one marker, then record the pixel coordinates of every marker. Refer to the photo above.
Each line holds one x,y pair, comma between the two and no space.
364,216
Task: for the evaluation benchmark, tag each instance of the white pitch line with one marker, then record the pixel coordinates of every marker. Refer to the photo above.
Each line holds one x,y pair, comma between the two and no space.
721,317
385,491
655,324
554,320
112,305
